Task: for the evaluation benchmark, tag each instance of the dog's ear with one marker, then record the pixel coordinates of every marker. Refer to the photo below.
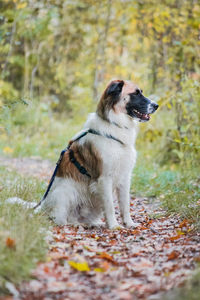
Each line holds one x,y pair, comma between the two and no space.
109,98
115,87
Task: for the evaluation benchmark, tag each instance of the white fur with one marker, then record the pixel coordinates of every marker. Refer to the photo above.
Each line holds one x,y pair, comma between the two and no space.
72,202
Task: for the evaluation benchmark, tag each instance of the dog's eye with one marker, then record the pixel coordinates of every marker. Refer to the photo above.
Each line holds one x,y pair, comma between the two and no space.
137,92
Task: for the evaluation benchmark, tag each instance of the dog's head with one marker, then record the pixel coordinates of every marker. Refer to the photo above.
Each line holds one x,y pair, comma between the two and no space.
125,97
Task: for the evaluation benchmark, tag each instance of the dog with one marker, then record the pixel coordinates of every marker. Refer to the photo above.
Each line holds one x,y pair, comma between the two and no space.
97,166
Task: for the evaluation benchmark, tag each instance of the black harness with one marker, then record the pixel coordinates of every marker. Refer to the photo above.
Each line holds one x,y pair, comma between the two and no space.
80,168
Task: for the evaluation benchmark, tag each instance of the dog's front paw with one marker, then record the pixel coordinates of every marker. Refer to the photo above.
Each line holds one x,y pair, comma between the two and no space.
131,224
114,226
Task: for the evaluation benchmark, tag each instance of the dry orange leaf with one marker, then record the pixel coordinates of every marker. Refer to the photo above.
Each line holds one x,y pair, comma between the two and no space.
104,266
173,255
143,228
46,269
174,238
135,231
108,257
10,243
113,242
184,223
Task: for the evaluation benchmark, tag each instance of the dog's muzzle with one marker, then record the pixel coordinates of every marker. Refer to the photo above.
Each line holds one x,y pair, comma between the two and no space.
152,107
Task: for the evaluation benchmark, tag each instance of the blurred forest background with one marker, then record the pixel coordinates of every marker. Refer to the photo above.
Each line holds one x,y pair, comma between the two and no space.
56,57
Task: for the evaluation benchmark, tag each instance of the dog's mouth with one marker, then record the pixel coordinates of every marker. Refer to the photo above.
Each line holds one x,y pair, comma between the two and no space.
141,116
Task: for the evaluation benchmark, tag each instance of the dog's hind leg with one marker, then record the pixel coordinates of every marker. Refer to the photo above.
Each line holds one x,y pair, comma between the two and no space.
55,206
91,215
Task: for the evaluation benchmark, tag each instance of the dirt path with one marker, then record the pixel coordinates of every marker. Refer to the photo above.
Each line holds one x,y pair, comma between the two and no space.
35,166
123,264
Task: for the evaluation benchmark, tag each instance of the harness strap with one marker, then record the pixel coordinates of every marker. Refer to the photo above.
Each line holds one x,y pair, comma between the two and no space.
81,169
52,177
109,136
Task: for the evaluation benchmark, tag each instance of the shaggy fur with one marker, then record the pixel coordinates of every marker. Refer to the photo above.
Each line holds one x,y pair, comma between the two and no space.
74,198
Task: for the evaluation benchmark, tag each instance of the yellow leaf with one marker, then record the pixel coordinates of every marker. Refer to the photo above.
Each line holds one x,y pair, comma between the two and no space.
80,266
180,232
7,150
178,141
21,5
99,270
169,105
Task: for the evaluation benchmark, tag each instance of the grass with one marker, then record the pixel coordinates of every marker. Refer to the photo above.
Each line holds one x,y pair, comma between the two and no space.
22,233
178,190
33,131
190,291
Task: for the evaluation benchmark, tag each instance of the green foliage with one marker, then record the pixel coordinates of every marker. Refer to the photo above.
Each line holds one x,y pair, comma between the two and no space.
61,51
32,130
191,290
22,233
178,190
174,131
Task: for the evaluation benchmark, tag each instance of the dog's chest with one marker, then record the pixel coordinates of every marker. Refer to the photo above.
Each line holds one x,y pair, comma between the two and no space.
118,160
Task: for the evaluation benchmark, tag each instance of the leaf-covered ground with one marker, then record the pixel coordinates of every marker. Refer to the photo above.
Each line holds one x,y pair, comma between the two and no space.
123,264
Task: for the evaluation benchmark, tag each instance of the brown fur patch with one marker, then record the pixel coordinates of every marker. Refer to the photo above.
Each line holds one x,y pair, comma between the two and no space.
87,156
107,102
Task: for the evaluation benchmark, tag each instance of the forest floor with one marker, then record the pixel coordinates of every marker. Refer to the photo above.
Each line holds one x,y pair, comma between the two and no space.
140,263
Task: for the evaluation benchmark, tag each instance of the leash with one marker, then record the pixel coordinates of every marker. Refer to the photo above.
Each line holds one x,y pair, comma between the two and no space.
81,169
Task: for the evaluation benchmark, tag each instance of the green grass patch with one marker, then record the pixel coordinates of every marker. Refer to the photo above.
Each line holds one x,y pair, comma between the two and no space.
22,233
177,189
190,291
35,131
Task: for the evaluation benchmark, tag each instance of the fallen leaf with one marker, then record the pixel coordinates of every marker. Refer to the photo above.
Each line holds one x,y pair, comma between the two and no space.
184,223
108,257
135,232
10,243
173,255
99,270
174,238
80,266
113,242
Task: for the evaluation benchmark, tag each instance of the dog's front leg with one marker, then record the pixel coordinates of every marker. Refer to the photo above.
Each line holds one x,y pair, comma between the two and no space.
105,193
124,204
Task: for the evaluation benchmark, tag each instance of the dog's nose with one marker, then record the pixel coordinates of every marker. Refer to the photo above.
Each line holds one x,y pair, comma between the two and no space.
155,106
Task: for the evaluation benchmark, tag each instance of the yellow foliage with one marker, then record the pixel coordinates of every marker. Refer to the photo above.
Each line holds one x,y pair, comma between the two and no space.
7,150
80,266
169,105
21,5
99,270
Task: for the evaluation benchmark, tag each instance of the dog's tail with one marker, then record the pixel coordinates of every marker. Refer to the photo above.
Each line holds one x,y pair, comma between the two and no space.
26,204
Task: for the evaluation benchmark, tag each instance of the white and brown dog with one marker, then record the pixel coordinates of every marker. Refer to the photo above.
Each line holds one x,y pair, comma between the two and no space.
107,155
